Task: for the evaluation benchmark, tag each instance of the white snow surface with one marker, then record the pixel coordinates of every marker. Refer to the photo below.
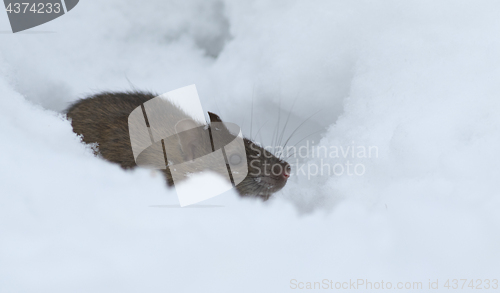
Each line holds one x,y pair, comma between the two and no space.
419,80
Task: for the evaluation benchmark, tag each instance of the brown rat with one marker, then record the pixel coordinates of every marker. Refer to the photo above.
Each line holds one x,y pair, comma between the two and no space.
103,119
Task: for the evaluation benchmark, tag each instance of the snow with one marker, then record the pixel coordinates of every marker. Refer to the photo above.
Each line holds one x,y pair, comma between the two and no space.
418,80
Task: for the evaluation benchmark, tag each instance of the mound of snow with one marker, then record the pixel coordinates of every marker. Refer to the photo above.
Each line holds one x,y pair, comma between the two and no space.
415,82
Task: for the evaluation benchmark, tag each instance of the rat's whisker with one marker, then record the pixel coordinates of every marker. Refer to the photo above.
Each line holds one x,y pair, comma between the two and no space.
288,118
293,146
258,131
251,111
276,130
298,127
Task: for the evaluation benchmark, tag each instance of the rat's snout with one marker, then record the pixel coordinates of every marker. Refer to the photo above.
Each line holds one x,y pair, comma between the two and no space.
282,170
287,171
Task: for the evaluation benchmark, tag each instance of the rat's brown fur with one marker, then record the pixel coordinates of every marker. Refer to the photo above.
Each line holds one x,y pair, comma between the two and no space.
103,119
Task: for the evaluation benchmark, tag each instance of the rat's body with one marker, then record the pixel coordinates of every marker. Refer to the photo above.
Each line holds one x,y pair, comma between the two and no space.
103,119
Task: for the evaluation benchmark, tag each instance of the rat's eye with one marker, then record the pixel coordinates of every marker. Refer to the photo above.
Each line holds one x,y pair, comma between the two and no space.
234,159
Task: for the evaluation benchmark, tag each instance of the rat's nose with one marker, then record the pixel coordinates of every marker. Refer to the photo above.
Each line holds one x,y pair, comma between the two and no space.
286,171
282,170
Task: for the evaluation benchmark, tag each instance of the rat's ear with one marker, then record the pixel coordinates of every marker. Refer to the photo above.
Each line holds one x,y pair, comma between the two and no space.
221,135
188,140
217,122
214,117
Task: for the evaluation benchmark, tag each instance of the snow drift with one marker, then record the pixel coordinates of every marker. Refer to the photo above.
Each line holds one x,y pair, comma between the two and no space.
418,80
